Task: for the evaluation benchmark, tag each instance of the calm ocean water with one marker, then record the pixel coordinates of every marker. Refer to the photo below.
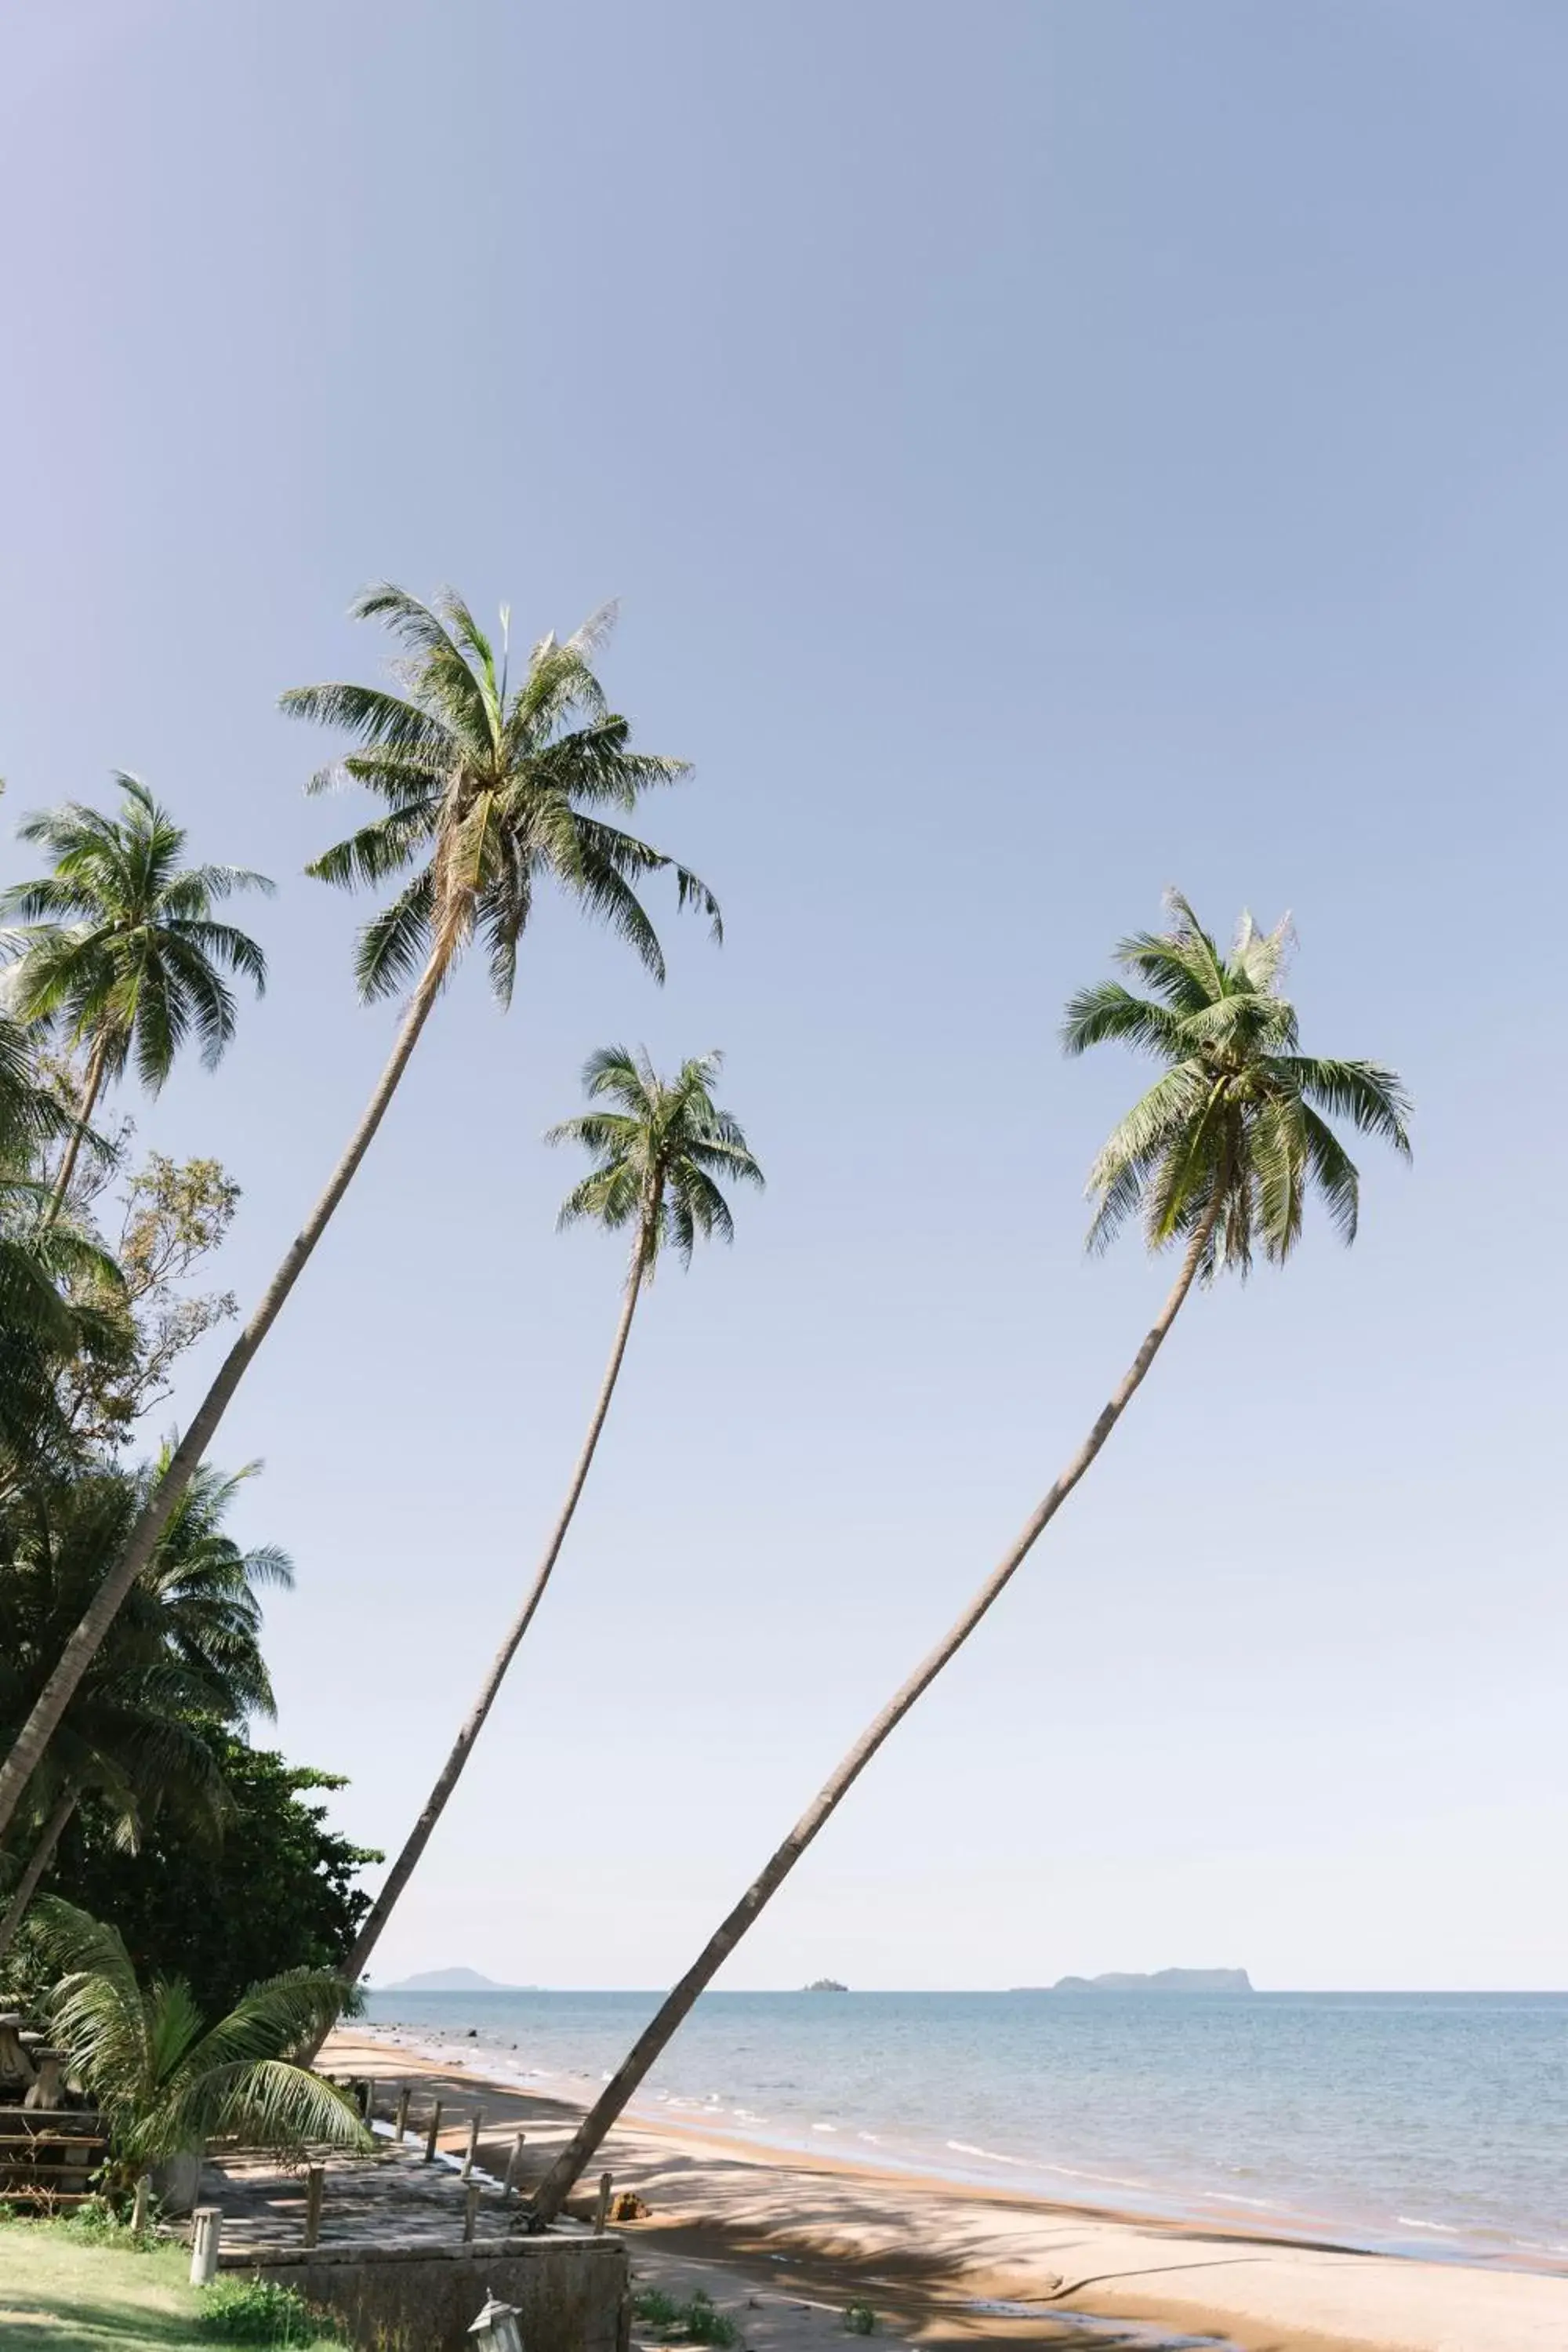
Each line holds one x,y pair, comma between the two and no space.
1432,2123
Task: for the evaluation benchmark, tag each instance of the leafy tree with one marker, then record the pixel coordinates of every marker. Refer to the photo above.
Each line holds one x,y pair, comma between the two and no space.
182,1659
275,1891
58,1288
168,1219
1217,1157
118,947
489,790
164,2079
660,1159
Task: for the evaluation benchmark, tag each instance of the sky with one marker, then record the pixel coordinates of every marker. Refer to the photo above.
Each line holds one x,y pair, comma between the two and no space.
1043,453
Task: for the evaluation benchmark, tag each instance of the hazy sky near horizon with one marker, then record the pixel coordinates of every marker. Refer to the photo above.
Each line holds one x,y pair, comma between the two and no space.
1043,453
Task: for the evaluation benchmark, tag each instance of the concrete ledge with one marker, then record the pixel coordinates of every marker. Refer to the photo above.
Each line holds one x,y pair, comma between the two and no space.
572,2295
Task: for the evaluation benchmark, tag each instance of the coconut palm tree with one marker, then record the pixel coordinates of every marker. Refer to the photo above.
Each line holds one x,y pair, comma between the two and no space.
659,1161
1217,1159
164,2079
183,1656
490,790
117,948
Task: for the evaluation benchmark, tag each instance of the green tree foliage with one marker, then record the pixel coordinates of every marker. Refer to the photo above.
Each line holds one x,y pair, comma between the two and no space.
165,2079
182,1661
117,948
276,1892
488,790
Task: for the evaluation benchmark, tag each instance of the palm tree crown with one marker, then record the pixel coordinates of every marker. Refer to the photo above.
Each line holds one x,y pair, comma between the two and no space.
118,944
488,788
659,1156
166,2080
1235,1122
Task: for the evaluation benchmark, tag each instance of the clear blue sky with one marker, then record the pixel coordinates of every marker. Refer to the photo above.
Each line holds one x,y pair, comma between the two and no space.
1045,453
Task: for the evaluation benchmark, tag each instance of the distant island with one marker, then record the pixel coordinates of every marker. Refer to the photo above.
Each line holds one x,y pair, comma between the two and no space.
1233,1981
450,1980
825,1984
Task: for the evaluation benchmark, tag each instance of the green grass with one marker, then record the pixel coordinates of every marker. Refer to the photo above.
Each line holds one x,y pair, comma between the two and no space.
57,2289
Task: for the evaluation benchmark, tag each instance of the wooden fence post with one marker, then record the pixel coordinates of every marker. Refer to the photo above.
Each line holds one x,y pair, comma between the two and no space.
401,2133
602,2205
474,2122
513,2162
471,2211
370,2099
432,2135
315,2182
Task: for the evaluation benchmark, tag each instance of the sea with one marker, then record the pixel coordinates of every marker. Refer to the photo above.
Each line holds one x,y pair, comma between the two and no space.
1432,2124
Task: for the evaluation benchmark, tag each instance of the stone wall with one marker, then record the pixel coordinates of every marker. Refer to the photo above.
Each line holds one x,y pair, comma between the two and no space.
572,2294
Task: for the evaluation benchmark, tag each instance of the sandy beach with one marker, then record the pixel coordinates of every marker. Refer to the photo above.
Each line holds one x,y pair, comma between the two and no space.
787,2241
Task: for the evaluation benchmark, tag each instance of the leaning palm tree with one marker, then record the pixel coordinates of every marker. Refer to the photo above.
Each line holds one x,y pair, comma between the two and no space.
117,948
164,2079
659,1161
1217,1159
490,790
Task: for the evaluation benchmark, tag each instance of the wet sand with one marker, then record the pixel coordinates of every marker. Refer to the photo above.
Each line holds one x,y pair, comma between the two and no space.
787,2241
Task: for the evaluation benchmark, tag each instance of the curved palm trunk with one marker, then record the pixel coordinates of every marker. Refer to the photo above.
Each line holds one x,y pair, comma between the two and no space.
39,1862
451,1772
91,1087
83,1644
580,2148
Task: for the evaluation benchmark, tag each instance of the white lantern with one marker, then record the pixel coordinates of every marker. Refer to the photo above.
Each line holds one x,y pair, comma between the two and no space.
496,2328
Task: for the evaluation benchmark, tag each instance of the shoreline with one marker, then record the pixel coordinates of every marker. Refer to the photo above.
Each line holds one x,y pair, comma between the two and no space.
955,2258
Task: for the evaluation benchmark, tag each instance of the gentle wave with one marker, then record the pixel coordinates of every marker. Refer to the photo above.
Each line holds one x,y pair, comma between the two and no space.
1348,2116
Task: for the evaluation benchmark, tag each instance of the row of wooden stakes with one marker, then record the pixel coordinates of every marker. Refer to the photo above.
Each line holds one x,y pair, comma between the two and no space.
365,2094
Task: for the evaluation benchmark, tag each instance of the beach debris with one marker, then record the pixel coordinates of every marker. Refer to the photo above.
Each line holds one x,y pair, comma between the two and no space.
626,2205
859,2319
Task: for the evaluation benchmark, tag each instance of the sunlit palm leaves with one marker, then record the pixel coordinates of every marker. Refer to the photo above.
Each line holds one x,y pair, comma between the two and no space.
1238,1110
164,2081
118,946
660,1157
488,789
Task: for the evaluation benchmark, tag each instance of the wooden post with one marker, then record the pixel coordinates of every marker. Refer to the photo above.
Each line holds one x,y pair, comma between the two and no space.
315,2183
434,2132
471,2211
469,2153
139,2210
370,2099
513,2162
401,2133
602,2205
207,2221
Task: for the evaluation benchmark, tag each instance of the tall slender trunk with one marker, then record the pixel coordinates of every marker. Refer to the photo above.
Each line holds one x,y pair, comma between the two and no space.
84,1643
38,1860
451,1772
580,2148
93,1085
